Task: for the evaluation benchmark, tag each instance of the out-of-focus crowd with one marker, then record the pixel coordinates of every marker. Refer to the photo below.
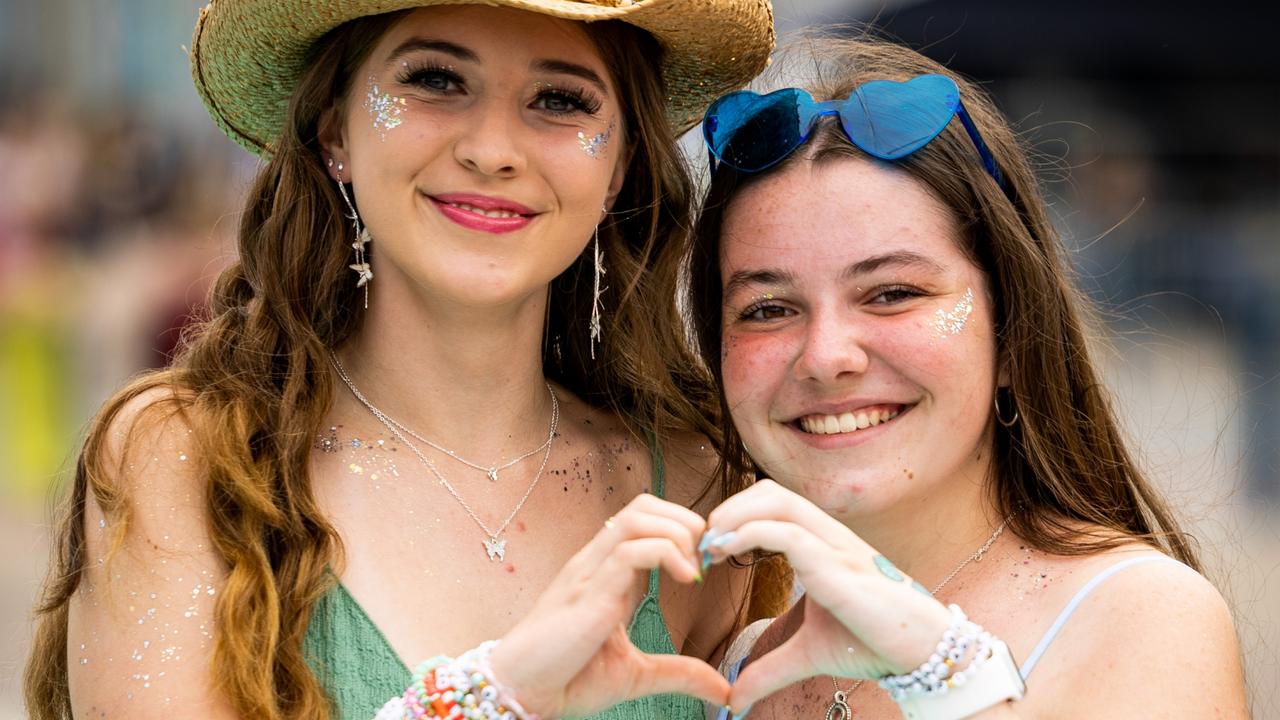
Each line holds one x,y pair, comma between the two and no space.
112,226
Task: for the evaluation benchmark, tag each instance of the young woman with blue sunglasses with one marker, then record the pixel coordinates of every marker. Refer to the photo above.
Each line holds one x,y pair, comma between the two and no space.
888,313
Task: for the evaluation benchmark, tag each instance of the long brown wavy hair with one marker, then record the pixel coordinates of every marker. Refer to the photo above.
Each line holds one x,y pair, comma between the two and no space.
255,385
1063,464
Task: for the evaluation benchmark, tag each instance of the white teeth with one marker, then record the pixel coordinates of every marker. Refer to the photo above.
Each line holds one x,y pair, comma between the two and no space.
846,422
486,213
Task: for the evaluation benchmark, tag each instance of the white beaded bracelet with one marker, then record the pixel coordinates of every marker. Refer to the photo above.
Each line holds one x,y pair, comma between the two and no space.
936,675
987,683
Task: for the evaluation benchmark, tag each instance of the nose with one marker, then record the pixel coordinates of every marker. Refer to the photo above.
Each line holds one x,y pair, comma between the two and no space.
833,349
490,142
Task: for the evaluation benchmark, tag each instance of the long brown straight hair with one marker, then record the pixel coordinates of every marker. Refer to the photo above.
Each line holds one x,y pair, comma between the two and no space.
254,383
1063,464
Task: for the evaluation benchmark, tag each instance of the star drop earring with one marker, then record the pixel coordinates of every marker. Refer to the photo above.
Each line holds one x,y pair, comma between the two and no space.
596,330
364,273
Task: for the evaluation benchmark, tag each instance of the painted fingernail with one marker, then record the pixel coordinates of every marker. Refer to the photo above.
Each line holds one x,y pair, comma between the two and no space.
706,561
742,714
724,539
707,538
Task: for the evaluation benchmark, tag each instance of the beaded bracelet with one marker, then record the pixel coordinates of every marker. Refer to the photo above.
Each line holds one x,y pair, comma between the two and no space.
444,687
937,675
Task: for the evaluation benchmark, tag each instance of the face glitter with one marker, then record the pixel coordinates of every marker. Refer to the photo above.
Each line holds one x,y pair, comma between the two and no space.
384,108
596,145
951,323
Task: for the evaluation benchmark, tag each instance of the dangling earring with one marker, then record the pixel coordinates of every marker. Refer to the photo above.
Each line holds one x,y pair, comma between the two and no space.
995,400
363,272
595,298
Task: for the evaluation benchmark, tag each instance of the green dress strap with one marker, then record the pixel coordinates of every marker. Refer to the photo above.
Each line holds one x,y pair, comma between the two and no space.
648,632
360,671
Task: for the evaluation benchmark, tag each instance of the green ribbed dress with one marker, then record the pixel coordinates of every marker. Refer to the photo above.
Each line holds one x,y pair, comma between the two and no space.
360,671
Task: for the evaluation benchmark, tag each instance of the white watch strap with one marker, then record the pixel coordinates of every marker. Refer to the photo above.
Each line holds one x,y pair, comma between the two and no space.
996,681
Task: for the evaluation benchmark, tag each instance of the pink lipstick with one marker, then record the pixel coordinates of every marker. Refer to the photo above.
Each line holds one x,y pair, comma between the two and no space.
483,213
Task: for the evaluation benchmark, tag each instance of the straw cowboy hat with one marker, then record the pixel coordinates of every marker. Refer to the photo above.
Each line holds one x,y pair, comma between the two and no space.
247,55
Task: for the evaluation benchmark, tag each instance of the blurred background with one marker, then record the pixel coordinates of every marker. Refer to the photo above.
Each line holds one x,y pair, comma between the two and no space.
1154,124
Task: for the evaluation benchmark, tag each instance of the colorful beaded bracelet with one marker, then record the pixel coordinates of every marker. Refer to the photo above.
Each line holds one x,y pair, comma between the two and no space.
444,687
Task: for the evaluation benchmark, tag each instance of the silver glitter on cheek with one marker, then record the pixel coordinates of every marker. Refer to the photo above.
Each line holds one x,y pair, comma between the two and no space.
384,108
951,323
595,146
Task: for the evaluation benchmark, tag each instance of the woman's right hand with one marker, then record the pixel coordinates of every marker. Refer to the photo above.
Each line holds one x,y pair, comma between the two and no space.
571,654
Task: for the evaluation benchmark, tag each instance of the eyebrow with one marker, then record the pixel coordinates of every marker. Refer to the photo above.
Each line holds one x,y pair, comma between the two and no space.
904,258
422,43
744,278
561,67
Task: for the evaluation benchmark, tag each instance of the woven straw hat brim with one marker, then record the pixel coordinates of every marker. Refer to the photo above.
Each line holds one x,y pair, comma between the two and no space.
247,55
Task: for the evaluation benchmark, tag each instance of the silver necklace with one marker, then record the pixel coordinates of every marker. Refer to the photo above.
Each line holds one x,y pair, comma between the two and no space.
495,546
490,471
839,709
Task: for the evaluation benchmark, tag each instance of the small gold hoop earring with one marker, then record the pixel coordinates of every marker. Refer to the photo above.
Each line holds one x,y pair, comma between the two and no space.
995,400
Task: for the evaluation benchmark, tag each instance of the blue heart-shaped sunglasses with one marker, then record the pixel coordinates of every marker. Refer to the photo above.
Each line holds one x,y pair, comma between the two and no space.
888,120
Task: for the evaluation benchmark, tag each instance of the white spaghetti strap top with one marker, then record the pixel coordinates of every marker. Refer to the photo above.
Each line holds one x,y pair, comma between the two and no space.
1081,594
741,648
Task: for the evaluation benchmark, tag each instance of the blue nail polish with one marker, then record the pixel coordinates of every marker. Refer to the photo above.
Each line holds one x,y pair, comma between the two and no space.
707,538
724,539
706,561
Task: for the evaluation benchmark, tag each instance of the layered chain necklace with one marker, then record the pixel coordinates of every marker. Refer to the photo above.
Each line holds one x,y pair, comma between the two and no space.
839,709
495,546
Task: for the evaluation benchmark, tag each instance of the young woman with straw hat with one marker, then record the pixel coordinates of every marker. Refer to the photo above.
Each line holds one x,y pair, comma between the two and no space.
431,378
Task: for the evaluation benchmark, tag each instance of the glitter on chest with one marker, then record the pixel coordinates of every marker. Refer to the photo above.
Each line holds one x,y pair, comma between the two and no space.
374,459
947,323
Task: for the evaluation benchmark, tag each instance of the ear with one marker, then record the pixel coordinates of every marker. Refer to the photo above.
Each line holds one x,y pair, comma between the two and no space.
619,177
1002,374
331,133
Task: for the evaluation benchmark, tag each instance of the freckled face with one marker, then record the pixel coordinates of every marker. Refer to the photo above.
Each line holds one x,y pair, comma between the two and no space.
464,136
858,346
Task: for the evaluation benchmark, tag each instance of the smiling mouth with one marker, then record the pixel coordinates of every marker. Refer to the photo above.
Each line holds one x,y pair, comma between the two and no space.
849,422
497,214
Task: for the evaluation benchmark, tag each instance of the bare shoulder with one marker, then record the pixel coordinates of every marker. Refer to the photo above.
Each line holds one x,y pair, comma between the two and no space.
152,431
1160,600
141,626
1150,618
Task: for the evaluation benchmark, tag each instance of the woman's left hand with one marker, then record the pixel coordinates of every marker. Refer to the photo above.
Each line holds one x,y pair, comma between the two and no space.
862,619
571,655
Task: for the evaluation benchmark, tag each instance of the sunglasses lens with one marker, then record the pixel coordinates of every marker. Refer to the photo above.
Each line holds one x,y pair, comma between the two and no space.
891,120
750,132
